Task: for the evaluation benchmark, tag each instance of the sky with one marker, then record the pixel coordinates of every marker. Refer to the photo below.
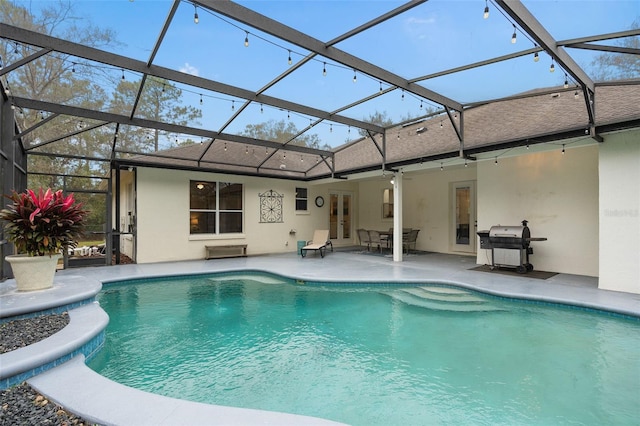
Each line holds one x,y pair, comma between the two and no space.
432,37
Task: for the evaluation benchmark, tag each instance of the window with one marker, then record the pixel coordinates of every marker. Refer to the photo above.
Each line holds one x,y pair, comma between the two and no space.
301,199
215,207
387,204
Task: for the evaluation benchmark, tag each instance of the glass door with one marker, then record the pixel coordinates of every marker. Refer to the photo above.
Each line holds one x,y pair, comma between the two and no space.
464,217
341,217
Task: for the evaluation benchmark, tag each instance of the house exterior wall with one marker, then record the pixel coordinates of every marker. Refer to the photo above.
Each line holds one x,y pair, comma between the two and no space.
566,198
619,208
557,194
163,215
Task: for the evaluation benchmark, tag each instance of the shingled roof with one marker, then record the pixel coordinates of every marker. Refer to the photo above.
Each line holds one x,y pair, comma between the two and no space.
548,115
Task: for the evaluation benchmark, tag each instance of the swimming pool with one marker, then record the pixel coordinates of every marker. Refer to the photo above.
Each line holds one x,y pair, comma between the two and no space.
371,354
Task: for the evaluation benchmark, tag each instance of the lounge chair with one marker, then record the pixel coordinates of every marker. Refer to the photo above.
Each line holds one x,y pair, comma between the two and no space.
319,243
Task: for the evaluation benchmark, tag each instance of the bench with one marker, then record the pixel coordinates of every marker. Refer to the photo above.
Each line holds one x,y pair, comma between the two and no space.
230,250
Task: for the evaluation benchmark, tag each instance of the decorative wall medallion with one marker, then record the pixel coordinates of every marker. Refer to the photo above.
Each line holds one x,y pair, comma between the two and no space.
271,207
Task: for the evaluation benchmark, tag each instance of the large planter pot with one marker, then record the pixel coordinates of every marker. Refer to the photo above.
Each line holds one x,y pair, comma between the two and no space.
33,272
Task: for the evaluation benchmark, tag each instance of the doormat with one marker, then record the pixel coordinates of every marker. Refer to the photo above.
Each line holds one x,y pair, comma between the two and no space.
541,275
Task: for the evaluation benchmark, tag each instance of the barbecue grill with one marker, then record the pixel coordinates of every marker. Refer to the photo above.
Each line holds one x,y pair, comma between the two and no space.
509,245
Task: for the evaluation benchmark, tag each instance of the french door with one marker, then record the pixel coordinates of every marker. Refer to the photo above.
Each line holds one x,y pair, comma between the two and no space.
341,217
463,220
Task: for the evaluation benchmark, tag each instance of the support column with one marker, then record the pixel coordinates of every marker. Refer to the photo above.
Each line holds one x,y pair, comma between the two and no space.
397,217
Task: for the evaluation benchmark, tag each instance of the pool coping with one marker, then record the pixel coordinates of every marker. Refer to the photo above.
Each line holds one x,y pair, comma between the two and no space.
95,396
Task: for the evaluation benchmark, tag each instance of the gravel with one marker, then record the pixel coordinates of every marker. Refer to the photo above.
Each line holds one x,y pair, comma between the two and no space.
21,404
23,332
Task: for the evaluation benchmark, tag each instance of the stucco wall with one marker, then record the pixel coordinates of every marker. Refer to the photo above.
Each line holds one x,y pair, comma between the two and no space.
163,216
426,205
620,212
557,194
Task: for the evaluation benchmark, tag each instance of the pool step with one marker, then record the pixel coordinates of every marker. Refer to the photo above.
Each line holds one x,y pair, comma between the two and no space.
247,277
457,296
443,299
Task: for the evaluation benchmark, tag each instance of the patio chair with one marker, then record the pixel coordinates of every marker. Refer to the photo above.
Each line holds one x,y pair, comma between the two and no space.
319,243
374,238
363,236
410,238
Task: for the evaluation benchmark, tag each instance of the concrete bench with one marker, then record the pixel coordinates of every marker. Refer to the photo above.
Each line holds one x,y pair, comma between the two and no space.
230,250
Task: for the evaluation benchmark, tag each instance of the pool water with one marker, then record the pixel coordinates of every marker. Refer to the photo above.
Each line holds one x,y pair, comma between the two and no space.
371,355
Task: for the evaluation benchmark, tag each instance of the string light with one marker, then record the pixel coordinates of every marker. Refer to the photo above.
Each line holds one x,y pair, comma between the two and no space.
225,145
486,10
163,86
441,167
380,87
288,115
246,149
330,128
496,162
195,14
562,149
420,104
16,49
465,162
123,74
536,57
402,97
246,39
324,69
566,81
201,99
355,77
552,68
261,109
513,37
289,61
73,67
575,95
233,105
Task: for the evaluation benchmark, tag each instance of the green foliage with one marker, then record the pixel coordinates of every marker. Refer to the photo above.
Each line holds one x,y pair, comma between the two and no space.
284,132
43,223
379,118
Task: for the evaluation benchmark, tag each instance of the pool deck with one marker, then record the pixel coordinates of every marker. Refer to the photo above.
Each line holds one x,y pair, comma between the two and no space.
79,389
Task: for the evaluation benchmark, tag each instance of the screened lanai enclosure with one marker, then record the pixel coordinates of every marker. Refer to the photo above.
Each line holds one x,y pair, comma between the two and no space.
304,91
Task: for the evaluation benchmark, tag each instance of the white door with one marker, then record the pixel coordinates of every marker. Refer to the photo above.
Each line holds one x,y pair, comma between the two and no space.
341,217
463,220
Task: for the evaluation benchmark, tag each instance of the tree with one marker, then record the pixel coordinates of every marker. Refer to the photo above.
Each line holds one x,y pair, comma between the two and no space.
160,101
613,66
282,131
380,118
62,79
54,78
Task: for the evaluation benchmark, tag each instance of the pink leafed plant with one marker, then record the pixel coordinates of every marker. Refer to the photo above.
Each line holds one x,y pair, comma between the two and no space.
43,223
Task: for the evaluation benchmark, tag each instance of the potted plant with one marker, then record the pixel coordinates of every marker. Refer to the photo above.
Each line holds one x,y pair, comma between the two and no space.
40,225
